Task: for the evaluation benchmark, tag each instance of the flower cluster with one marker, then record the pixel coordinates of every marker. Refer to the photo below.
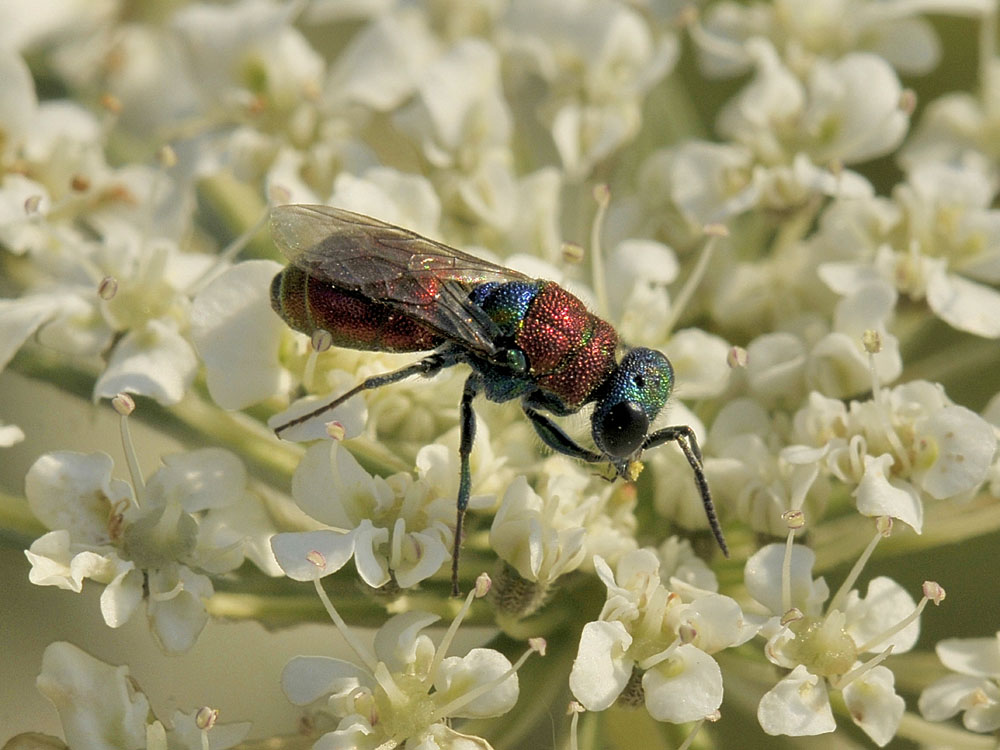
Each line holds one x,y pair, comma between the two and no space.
156,542
749,188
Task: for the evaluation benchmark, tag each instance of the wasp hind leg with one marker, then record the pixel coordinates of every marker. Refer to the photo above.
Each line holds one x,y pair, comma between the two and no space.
427,367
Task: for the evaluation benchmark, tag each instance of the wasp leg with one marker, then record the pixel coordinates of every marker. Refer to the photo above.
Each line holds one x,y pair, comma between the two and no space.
554,437
684,436
468,435
427,367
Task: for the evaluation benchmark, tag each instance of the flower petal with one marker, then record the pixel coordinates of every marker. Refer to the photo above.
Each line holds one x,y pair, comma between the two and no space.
601,668
797,706
295,552
874,705
687,686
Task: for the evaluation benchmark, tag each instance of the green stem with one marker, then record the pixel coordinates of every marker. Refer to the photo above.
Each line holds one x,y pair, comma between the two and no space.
839,541
17,523
937,734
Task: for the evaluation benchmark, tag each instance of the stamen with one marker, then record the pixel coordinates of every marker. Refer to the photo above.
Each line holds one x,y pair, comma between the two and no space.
691,735
838,599
450,709
603,197
574,710
478,591
206,717
125,405
737,358
228,253
335,430
794,519
31,205
166,596
886,635
108,288
792,615
786,572
713,232
320,341
571,253
849,677
652,661
366,656
871,340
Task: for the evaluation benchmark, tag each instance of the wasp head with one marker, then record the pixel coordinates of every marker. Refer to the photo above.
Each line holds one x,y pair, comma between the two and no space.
630,399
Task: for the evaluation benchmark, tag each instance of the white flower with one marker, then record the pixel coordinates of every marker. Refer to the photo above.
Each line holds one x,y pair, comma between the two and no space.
460,122
650,636
931,448
956,129
945,248
546,534
974,691
407,690
846,111
383,63
599,59
398,527
147,544
238,336
825,28
101,708
127,290
712,182
699,362
823,648
247,49
752,474
838,364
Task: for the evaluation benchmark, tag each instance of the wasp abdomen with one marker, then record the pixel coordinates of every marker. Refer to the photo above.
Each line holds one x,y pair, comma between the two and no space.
353,321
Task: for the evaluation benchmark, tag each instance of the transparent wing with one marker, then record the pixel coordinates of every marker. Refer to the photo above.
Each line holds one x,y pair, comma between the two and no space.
423,279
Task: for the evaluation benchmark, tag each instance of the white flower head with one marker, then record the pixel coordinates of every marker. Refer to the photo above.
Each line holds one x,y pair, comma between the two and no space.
941,245
823,648
653,646
846,111
907,446
974,691
408,689
599,60
156,542
397,528
100,707
823,29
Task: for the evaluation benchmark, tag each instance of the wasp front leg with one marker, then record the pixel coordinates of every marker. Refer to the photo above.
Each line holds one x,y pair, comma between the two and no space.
467,418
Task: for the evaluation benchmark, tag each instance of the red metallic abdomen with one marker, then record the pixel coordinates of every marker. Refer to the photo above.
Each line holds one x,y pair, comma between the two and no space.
352,320
570,351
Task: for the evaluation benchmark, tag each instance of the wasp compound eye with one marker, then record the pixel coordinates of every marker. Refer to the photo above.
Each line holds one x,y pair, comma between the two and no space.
623,429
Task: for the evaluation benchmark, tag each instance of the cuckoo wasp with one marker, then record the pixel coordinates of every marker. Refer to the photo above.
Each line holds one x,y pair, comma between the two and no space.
378,287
